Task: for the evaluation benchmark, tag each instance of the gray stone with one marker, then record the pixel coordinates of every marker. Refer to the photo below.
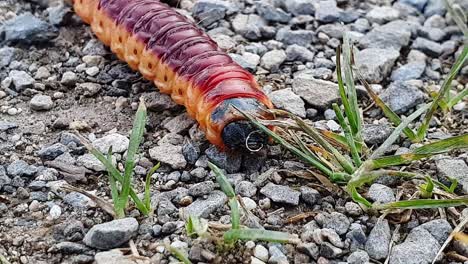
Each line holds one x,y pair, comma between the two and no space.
376,134
358,257
158,102
440,229
41,102
333,30
206,6
26,29
111,234
455,169
299,53
273,59
375,64
166,207
169,154
4,179
380,193
59,14
231,162
281,194
247,60
300,7
309,195
361,25
115,256
119,143
248,26
261,253
7,54
327,11
310,249
6,125
377,244
191,152
77,200
356,236
272,13
21,80
420,247
329,251
21,168
429,47
94,47
202,188
382,14
276,255
435,7
402,96
91,162
246,189
179,123
69,78
204,207
409,71
395,34
89,88
335,221
286,99
299,37
419,4
434,34
52,152
318,93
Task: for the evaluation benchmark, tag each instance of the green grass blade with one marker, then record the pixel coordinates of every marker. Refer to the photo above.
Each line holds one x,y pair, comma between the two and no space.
427,188
179,254
233,236
348,135
394,118
235,214
306,158
445,88
147,199
342,91
222,181
3,260
458,16
422,204
196,226
396,160
396,133
351,89
457,98
116,174
444,145
340,140
312,132
135,139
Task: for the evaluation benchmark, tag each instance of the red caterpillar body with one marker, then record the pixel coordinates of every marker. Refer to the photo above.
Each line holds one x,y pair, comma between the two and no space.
183,61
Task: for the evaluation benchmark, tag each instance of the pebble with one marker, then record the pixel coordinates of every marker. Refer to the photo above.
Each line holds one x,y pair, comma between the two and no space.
26,29
91,162
402,96
6,125
419,247
55,212
286,99
318,93
119,143
42,73
179,123
454,168
440,229
327,11
247,60
281,194
409,71
21,80
59,14
204,207
273,59
77,200
111,234
393,35
276,255
92,71
299,53
419,4
7,54
376,134
202,188
89,89
358,257
69,78
231,162
381,194
299,37
261,253
169,154
21,168
246,189
335,221
309,195
429,47
377,244
271,13
375,64
249,26
52,152
382,14
4,179
41,102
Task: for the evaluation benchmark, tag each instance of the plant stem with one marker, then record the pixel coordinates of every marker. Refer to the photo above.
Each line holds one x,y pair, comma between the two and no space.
349,137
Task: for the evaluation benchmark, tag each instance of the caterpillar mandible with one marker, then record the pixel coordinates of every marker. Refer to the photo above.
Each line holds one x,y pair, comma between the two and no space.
183,61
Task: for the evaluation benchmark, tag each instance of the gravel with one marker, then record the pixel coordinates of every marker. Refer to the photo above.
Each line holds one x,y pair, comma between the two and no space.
111,234
204,207
281,194
21,80
169,154
335,221
318,93
454,168
286,99
27,29
377,244
273,59
429,47
376,134
41,103
375,64
119,143
380,193
402,96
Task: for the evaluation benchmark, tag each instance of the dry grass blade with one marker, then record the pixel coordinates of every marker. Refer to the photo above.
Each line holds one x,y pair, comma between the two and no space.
457,229
232,236
460,236
422,204
104,205
444,145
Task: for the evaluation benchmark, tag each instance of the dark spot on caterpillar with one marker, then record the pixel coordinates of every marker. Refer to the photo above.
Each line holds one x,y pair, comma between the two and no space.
165,78
135,51
120,39
150,66
100,23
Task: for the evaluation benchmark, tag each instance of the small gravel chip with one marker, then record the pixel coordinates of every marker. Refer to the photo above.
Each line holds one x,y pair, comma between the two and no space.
169,154
41,102
375,64
246,189
52,152
273,59
286,99
402,96
419,247
358,257
454,168
336,221
281,194
204,207
376,134
21,80
318,93
21,168
202,188
380,193
309,195
377,244
69,78
111,234
55,212
261,253
119,143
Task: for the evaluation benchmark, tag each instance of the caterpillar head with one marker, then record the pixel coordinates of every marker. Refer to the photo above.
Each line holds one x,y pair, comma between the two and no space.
238,133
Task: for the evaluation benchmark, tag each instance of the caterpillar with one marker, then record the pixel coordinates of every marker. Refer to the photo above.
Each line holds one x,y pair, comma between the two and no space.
183,61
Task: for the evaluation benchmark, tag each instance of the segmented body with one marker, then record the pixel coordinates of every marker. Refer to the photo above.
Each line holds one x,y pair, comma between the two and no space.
168,49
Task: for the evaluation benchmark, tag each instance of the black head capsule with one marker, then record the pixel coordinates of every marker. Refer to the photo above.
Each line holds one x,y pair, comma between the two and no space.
240,134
